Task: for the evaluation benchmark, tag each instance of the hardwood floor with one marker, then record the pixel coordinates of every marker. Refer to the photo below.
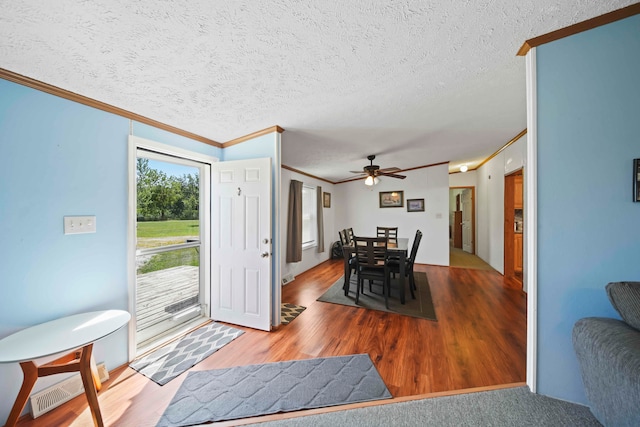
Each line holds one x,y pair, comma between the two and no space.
479,340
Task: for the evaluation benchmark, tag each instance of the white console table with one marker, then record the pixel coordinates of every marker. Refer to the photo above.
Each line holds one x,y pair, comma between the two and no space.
73,335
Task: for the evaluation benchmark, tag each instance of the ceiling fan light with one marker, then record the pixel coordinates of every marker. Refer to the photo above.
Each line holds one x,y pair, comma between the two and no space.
369,180
464,168
375,180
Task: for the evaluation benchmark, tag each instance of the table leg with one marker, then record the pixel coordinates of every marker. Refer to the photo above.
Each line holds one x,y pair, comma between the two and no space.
89,385
30,372
347,270
76,361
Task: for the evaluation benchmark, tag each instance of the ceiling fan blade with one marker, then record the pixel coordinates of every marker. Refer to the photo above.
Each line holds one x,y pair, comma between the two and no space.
392,175
389,170
356,171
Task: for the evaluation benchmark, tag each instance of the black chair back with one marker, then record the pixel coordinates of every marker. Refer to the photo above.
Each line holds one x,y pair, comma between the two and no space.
391,233
371,252
343,237
350,235
414,249
371,256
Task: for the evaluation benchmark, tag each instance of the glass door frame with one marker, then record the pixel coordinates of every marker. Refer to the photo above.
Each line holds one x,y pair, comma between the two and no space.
136,143
152,333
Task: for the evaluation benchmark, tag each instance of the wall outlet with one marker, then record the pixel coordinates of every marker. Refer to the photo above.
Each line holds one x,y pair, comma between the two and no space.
79,224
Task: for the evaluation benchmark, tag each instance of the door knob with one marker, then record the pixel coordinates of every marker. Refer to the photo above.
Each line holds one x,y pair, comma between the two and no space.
264,254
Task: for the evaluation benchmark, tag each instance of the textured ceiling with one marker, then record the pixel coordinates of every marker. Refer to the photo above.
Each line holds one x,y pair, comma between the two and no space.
415,82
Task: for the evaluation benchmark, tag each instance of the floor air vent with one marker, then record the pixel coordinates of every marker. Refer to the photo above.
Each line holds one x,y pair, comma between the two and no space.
54,396
288,278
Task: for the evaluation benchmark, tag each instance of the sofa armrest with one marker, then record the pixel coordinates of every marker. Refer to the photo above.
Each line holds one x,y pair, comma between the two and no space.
608,352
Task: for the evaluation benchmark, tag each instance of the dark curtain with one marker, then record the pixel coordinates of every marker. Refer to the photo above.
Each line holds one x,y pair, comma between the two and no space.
294,224
320,217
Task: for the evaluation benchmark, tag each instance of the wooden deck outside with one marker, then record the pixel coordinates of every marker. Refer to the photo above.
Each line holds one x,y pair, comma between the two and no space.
163,293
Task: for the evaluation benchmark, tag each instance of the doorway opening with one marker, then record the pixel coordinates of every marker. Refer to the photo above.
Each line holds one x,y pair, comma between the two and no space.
513,225
462,219
462,229
171,266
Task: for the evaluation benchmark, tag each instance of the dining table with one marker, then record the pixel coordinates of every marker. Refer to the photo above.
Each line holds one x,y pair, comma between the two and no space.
72,336
398,251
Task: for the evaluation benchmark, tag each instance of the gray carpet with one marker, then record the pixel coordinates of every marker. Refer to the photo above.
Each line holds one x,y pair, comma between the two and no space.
169,361
507,407
421,307
247,391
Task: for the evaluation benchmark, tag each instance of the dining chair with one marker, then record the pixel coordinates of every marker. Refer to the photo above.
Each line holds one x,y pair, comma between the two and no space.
371,256
343,236
394,266
349,234
391,233
349,259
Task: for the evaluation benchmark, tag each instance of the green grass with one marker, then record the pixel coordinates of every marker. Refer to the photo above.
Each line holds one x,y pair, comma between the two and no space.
154,229
159,233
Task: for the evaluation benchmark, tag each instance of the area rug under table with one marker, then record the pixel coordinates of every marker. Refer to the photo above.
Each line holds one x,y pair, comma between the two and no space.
249,391
421,307
169,361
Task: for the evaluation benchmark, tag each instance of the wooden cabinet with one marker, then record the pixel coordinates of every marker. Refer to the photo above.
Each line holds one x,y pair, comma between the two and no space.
517,252
517,192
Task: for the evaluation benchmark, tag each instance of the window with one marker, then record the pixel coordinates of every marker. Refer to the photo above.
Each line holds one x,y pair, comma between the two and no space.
309,225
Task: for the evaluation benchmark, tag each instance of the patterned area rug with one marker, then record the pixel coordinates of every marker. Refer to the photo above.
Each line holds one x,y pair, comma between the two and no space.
248,391
169,361
288,312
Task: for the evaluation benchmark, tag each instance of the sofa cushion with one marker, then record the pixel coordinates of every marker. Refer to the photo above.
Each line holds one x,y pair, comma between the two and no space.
625,298
608,352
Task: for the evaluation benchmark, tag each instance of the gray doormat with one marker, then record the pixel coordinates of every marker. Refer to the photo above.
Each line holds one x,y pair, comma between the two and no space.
169,361
248,391
421,307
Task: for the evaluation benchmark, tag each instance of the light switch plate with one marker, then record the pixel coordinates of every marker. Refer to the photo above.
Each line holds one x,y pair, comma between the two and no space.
79,224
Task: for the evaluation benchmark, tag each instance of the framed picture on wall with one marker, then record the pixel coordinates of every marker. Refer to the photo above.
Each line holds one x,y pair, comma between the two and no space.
415,205
326,200
391,199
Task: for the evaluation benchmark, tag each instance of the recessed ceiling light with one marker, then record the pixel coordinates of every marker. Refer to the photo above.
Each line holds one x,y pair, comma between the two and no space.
464,168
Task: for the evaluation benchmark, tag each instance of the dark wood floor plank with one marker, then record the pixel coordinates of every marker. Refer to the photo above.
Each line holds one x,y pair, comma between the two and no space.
479,340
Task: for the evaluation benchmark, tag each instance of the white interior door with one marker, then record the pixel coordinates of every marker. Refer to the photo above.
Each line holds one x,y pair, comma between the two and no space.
467,229
241,243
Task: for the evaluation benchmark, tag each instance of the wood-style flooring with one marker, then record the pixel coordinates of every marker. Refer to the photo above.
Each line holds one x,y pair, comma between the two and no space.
479,340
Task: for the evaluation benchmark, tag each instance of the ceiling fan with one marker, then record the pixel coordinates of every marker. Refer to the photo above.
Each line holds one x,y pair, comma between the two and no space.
372,172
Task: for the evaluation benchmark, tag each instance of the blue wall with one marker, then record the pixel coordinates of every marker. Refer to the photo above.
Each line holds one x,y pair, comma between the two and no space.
62,158
588,227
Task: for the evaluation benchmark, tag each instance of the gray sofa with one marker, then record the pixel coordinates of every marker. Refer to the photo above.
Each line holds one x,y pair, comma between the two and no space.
608,352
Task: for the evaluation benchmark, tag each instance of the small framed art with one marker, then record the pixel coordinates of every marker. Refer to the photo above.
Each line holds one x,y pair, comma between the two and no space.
326,200
391,199
415,205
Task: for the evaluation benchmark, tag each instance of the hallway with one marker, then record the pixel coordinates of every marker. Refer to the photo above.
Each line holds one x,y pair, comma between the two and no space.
461,259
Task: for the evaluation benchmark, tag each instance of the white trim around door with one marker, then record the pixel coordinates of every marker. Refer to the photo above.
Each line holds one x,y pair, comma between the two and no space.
531,221
134,144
